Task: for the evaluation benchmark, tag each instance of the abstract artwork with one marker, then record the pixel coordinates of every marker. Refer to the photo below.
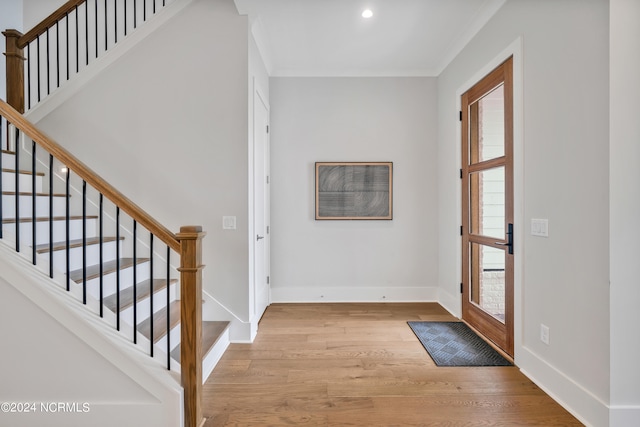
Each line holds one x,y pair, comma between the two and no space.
354,190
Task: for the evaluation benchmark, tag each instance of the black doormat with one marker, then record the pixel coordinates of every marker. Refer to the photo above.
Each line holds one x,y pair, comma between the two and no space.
455,344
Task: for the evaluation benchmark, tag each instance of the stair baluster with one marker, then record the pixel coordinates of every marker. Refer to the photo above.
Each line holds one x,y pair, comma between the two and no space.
117,268
101,267
134,242
50,217
151,276
168,313
67,227
17,189
84,242
33,202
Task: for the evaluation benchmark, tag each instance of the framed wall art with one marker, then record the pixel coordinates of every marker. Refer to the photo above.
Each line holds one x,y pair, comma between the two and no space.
354,190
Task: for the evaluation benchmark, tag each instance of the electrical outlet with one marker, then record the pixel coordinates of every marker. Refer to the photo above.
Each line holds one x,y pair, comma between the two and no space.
544,334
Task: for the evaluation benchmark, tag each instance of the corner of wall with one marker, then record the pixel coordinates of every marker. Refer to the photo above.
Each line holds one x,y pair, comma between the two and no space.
451,302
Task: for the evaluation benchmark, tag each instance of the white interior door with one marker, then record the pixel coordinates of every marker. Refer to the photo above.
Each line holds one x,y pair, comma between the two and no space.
261,204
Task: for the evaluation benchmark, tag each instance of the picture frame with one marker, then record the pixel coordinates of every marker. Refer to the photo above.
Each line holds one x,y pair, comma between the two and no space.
354,190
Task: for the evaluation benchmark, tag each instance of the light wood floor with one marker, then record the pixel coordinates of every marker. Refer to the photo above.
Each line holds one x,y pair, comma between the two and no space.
361,365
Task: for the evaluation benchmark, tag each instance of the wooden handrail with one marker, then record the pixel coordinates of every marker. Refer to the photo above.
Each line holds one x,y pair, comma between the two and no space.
41,28
92,178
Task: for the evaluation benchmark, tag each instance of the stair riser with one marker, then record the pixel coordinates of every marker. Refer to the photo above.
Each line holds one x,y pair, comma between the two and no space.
143,309
109,280
42,230
24,182
75,256
175,339
42,206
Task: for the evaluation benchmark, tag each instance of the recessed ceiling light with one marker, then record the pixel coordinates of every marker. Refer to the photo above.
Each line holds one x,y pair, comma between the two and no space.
367,13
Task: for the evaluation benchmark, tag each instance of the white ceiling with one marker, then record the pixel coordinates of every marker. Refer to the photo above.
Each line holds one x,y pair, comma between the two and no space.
330,37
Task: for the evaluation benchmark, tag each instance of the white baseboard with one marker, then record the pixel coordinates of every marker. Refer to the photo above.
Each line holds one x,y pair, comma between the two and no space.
354,294
580,402
623,416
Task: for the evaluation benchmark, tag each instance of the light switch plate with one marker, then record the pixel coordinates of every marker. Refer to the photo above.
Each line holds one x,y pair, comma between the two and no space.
540,227
228,222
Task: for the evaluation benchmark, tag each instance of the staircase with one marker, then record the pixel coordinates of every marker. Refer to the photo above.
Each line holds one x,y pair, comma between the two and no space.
111,257
90,239
96,266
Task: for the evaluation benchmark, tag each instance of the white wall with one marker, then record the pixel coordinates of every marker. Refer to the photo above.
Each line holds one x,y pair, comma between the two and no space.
354,119
564,278
36,10
625,211
167,125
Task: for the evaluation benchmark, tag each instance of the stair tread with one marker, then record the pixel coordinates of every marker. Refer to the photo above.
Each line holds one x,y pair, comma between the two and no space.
8,152
160,322
46,219
23,172
143,291
211,332
93,271
26,193
57,246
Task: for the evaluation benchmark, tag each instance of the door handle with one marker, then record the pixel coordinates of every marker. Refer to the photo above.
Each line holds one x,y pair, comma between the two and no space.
259,237
509,243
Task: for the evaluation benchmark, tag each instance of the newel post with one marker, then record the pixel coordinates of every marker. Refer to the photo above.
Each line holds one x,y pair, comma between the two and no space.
15,70
190,238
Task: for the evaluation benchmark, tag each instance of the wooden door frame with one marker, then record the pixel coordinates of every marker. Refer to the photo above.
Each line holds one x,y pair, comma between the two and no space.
515,50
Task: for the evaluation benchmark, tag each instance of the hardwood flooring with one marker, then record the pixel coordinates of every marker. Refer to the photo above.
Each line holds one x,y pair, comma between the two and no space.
361,365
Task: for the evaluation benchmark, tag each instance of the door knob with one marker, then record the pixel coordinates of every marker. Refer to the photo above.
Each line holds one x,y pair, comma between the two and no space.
509,243
259,237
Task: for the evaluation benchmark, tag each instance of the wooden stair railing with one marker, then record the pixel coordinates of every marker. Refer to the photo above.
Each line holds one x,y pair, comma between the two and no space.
76,33
187,243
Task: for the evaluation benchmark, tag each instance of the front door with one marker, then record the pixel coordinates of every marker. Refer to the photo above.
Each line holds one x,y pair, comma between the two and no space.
487,206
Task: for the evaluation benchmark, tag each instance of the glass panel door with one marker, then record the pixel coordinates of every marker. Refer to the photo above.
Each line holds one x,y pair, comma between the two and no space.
487,229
